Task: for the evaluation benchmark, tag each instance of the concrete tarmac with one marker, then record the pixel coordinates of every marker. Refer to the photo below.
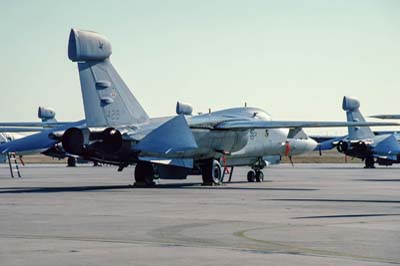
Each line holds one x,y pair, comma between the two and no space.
329,214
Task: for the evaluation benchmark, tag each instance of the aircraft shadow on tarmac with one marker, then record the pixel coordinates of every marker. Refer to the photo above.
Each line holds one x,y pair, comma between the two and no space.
378,180
337,200
358,215
16,190
343,167
348,216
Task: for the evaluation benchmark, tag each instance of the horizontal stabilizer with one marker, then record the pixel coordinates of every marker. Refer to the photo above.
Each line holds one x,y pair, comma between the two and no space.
387,146
174,136
186,163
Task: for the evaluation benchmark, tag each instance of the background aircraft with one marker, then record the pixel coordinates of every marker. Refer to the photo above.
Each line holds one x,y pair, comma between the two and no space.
362,142
12,131
26,138
118,130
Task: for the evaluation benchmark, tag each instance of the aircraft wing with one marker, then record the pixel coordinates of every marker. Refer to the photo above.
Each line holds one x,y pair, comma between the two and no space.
20,129
253,124
36,142
32,124
386,116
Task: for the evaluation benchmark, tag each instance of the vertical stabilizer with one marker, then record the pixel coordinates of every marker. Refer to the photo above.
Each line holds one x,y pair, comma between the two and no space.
351,106
106,98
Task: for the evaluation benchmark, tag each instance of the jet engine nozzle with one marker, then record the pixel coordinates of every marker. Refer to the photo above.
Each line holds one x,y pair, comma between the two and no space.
350,104
74,140
361,147
111,139
342,146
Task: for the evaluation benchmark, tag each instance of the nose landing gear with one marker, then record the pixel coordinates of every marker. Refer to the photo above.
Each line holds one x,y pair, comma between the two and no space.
255,176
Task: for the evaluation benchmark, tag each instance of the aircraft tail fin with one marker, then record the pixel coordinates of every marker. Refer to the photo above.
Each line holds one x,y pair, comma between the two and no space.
351,106
106,98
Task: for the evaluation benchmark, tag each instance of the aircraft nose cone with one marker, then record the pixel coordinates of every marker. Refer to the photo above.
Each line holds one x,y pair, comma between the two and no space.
311,145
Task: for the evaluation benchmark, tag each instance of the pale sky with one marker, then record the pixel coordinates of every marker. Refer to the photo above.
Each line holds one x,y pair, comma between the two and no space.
295,59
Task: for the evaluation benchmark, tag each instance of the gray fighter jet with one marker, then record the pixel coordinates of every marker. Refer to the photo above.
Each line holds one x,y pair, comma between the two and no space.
361,142
119,131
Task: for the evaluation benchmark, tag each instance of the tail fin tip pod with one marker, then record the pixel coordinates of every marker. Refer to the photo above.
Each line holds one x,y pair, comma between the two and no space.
47,115
352,108
87,46
106,98
350,104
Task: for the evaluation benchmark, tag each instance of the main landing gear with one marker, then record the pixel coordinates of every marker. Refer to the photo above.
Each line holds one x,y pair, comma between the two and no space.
211,172
369,162
255,176
144,175
71,162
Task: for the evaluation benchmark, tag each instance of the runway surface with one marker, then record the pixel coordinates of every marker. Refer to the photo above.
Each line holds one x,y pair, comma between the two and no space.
306,215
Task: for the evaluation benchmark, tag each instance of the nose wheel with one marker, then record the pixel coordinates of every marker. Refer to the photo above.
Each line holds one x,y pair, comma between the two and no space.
255,176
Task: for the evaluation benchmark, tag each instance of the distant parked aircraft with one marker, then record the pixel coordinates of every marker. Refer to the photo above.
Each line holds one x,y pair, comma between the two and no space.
361,142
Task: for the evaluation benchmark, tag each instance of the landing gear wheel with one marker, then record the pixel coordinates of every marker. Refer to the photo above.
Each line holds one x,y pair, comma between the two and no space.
144,174
369,162
251,176
259,176
71,162
211,173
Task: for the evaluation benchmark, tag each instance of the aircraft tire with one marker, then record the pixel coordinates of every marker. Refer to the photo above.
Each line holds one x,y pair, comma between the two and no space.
211,173
259,176
251,176
144,174
369,162
71,162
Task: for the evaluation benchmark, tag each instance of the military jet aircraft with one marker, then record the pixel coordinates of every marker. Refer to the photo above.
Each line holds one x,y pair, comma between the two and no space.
362,142
11,131
119,131
13,134
27,138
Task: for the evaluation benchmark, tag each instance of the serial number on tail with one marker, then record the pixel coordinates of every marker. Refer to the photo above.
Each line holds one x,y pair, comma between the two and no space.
113,114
